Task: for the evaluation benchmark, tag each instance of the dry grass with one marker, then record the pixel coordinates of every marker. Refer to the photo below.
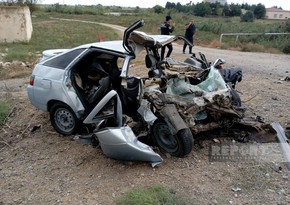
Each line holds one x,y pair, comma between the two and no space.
15,70
245,47
214,44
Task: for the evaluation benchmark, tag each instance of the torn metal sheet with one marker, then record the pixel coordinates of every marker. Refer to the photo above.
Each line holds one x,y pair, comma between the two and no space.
283,141
122,144
145,111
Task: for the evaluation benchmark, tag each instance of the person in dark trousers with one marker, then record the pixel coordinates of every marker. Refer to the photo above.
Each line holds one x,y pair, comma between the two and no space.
189,35
167,28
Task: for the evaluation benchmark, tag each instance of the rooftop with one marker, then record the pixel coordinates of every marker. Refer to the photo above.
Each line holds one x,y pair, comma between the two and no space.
275,10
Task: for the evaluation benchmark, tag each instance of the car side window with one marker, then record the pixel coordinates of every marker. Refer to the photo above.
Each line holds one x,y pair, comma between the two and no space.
64,60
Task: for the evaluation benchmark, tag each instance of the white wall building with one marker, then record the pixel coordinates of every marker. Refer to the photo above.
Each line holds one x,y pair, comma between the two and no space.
275,13
15,24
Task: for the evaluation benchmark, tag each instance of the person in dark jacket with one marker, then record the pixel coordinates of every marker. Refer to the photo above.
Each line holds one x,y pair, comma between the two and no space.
166,28
189,35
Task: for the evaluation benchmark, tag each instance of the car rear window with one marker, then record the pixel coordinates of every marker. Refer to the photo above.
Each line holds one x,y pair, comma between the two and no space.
64,60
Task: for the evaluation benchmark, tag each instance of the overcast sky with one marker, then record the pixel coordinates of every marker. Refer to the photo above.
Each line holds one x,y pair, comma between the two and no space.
285,4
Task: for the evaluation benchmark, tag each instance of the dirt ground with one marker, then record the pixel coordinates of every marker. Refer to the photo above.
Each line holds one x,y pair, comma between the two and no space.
43,167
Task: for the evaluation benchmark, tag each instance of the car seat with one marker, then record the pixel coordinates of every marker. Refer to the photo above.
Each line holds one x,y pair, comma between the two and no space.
129,96
152,64
100,91
80,86
78,81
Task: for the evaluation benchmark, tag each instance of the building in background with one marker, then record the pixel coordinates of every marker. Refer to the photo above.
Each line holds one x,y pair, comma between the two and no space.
275,13
15,24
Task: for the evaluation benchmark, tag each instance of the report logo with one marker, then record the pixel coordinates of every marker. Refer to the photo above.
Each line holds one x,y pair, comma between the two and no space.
267,152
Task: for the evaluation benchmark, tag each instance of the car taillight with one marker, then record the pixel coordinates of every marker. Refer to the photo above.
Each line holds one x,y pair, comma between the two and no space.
31,81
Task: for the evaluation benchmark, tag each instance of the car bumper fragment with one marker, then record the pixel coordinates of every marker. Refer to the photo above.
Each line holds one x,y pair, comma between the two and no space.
122,144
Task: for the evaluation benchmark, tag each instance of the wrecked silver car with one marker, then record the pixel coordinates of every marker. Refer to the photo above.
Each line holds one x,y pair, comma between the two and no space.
59,84
168,108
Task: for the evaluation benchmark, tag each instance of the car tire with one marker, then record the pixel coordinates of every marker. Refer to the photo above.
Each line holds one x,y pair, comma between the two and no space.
63,119
179,145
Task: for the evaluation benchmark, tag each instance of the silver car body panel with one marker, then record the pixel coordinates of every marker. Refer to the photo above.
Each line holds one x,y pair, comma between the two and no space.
51,86
91,118
46,81
122,144
52,52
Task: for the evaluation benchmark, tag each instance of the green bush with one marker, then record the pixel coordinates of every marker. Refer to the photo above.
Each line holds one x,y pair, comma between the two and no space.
288,25
158,9
4,111
155,195
286,49
247,17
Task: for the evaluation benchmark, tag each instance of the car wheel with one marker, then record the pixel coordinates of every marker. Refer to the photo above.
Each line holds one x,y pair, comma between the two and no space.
63,119
179,145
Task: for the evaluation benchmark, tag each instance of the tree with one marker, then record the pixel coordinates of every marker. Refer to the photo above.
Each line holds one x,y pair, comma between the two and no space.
170,5
286,49
218,9
137,9
178,6
32,4
245,6
189,9
287,25
226,10
158,9
247,17
260,11
202,9
235,10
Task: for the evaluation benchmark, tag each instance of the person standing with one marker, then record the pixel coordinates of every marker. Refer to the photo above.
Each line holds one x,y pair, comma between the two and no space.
189,35
166,28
